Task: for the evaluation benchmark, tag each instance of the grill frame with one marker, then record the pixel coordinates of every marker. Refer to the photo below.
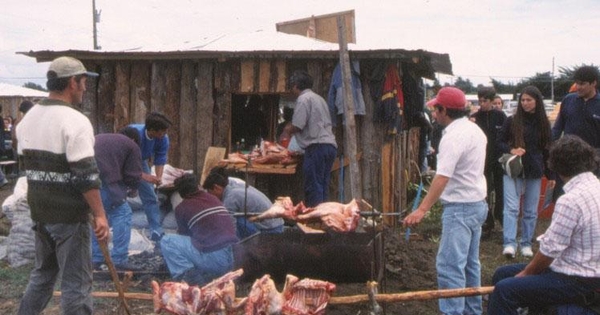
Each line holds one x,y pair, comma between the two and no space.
334,257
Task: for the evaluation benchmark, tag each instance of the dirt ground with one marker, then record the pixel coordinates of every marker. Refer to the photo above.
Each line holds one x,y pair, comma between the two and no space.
409,266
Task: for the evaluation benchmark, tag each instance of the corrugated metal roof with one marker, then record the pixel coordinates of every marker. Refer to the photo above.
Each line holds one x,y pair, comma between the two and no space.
243,42
15,90
261,44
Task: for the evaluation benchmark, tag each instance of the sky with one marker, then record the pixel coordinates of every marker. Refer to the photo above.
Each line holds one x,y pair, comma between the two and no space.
507,40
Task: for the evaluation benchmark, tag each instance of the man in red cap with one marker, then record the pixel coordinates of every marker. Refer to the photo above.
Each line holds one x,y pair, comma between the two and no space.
461,186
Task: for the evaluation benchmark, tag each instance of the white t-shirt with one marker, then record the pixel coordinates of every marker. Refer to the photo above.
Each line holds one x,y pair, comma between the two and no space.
461,158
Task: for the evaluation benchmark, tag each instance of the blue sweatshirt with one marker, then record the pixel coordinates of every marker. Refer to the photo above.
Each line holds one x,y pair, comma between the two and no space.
155,149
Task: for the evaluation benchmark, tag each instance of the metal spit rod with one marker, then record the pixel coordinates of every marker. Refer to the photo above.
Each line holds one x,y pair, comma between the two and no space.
373,213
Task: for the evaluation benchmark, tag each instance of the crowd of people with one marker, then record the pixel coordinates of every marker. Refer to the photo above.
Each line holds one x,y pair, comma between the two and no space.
78,185
563,274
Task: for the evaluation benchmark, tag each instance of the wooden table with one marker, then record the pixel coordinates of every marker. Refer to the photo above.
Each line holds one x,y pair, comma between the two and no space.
285,182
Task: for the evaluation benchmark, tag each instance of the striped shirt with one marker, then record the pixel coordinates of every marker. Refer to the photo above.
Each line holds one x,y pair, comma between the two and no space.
56,145
203,217
572,238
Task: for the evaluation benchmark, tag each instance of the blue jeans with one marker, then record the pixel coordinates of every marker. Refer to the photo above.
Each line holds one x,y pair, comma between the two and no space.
245,228
119,219
60,250
535,292
181,256
457,261
150,202
513,189
318,160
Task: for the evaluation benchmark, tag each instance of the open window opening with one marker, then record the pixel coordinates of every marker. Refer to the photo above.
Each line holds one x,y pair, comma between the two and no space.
254,118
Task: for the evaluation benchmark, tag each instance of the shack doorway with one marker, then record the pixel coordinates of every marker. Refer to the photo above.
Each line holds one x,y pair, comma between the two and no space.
253,118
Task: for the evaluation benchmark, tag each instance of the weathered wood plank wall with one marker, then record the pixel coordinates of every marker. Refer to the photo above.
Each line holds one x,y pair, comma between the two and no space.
197,94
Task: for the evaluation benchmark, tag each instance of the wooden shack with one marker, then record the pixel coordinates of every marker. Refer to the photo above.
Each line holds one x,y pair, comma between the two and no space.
204,87
11,97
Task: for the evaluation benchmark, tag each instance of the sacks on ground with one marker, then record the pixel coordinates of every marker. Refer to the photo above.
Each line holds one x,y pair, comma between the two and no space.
169,175
139,243
3,241
21,239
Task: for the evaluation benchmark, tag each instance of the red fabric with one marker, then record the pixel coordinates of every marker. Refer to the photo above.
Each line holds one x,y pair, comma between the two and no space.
393,84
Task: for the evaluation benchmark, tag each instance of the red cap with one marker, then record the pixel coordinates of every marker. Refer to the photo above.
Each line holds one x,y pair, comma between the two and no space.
450,98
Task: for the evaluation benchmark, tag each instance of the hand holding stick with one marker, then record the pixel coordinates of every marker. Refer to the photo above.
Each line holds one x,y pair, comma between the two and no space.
113,273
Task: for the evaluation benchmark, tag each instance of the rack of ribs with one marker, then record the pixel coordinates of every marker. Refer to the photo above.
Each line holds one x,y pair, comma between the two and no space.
179,298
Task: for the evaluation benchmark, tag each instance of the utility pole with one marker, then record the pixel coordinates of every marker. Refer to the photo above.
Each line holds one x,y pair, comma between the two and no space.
552,82
95,20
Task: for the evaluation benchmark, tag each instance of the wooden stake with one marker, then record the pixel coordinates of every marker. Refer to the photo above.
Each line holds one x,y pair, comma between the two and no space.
340,300
412,296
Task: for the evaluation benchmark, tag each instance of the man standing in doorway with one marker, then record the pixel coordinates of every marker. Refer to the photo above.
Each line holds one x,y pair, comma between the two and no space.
56,145
154,144
460,185
311,124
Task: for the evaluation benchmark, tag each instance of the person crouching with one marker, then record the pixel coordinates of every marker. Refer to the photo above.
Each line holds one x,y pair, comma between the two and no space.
202,248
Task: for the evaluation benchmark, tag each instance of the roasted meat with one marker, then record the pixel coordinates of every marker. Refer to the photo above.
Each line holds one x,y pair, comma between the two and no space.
306,297
217,297
264,299
337,216
283,207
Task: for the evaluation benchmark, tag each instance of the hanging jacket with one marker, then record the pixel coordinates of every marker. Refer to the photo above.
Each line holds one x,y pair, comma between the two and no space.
390,105
335,97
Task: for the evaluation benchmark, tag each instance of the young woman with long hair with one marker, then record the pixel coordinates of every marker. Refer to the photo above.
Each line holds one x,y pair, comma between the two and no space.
527,134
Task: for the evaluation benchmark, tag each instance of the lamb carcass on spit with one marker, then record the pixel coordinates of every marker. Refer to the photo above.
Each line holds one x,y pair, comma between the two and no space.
283,207
264,299
337,216
178,298
306,297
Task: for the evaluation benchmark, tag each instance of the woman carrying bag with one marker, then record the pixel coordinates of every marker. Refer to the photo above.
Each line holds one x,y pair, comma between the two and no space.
528,135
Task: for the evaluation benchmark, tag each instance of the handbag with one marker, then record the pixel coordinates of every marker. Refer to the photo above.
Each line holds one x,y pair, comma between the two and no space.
511,164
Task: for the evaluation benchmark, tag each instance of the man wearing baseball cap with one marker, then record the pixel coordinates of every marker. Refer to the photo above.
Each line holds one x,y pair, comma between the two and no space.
460,185
56,145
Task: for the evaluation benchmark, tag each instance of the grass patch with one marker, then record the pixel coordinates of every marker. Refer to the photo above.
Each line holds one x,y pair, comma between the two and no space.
14,280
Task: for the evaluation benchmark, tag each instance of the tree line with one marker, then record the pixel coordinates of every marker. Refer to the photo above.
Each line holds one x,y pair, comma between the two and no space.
543,81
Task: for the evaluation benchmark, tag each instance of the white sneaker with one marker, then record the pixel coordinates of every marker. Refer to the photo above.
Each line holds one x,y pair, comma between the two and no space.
526,252
509,252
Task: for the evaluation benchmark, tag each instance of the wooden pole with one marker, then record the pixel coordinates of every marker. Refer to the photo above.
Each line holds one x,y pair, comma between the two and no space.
350,124
412,296
353,299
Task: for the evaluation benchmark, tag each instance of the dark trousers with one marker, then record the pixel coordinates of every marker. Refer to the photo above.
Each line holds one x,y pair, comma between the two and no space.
493,175
318,160
536,292
61,250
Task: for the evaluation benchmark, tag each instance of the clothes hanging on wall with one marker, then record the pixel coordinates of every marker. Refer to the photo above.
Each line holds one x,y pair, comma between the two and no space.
388,95
335,98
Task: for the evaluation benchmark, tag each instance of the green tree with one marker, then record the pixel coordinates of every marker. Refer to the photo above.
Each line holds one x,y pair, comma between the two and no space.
543,81
34,86
503,88
465,85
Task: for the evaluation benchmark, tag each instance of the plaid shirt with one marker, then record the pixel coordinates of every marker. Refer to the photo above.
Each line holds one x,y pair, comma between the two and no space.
572,238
